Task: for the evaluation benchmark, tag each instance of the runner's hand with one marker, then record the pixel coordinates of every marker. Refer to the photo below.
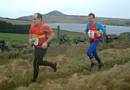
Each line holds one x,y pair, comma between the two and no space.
44,45
83,32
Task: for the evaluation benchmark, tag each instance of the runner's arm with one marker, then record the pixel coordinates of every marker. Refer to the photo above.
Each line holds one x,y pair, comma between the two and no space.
49,32
85,32
50,36
102,28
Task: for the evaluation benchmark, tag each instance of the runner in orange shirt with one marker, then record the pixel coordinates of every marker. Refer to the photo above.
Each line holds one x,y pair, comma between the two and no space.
39,36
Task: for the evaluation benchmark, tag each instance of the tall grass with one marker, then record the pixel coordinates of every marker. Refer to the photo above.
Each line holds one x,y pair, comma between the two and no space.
73,69
72,72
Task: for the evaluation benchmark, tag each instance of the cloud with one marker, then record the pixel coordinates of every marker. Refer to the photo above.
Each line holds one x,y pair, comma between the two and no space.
102,8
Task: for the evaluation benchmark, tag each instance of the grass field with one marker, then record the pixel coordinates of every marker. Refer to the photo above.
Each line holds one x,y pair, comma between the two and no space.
73,68
23,38
16,38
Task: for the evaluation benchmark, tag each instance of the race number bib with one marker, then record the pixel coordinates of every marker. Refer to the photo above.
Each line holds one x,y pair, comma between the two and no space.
91,33
35,41
94,34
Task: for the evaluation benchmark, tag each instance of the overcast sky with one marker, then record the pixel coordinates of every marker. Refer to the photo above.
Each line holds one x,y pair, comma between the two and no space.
102,8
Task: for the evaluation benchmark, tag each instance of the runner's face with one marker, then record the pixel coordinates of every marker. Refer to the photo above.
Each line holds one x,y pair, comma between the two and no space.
35,19
90,19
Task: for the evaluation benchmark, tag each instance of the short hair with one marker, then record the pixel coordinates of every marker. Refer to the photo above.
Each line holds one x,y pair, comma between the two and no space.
92,14
39,15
